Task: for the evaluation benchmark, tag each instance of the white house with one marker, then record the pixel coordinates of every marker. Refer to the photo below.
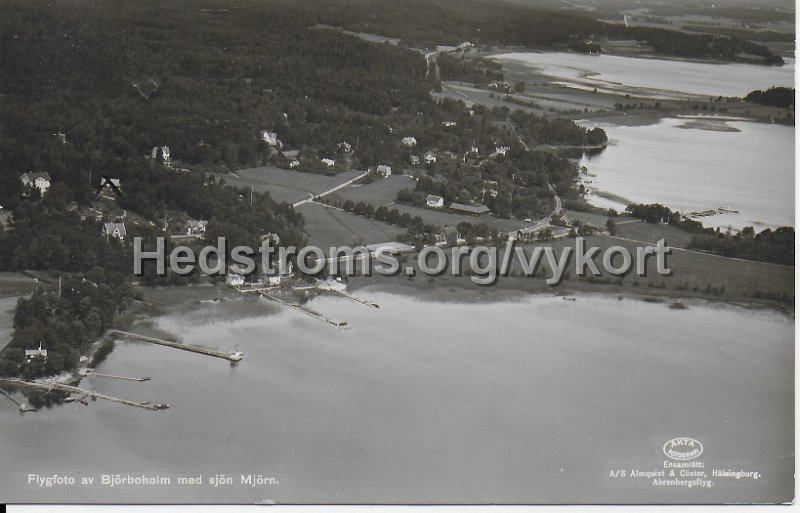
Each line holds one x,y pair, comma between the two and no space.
385,170
39,180
501,150
194,226
115,230
294,163
409,142
165,155
414,160
434,201
449,123
270,138
30,354
345,147
430,158
273,280
234,279
329,162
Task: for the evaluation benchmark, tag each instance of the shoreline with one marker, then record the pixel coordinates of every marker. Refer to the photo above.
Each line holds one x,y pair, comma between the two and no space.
179,299
462,290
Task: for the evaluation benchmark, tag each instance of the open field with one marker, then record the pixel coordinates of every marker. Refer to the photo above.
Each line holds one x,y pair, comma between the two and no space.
444,218
640,230
694,275
7,307
377,193
327,227
13,284
284,185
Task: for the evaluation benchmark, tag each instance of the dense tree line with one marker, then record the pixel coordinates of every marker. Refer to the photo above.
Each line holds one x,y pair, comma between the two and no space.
774,97
657,213
767,246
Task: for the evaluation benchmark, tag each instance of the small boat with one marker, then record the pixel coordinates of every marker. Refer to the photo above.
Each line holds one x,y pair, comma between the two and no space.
236,355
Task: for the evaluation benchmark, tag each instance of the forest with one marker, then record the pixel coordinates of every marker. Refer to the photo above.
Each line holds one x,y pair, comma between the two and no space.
766,246
90,87
774,97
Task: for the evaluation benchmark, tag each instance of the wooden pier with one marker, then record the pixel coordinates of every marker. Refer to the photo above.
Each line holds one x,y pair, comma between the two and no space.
126,378
302,310
357,300
75,390
232,356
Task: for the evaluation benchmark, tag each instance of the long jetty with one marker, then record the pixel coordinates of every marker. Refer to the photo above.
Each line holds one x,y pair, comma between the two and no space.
233,357
126,378
75,390
301,309
357,300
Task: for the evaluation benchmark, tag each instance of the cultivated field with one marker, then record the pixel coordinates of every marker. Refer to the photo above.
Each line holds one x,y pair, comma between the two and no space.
377,193
694,275
284,185
13,284
327,227
443,218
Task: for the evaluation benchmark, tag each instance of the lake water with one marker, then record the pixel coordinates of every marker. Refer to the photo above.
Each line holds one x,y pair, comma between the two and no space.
740,165
535,399
656,78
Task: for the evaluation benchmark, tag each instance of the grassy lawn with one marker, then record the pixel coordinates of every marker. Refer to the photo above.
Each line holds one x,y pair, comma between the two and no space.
327,227
284,185
377,193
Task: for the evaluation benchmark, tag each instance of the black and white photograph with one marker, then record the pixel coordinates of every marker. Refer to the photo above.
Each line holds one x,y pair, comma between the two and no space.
397,252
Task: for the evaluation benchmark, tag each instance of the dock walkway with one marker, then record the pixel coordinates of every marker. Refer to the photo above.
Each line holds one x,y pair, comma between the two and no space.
232,356
75,390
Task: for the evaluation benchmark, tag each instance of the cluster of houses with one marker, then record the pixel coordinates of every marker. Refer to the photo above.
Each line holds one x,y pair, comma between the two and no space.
236,276
497,85
117,229
292,157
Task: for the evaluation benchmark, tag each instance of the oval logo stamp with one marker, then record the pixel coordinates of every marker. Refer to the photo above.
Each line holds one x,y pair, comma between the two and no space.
683,449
